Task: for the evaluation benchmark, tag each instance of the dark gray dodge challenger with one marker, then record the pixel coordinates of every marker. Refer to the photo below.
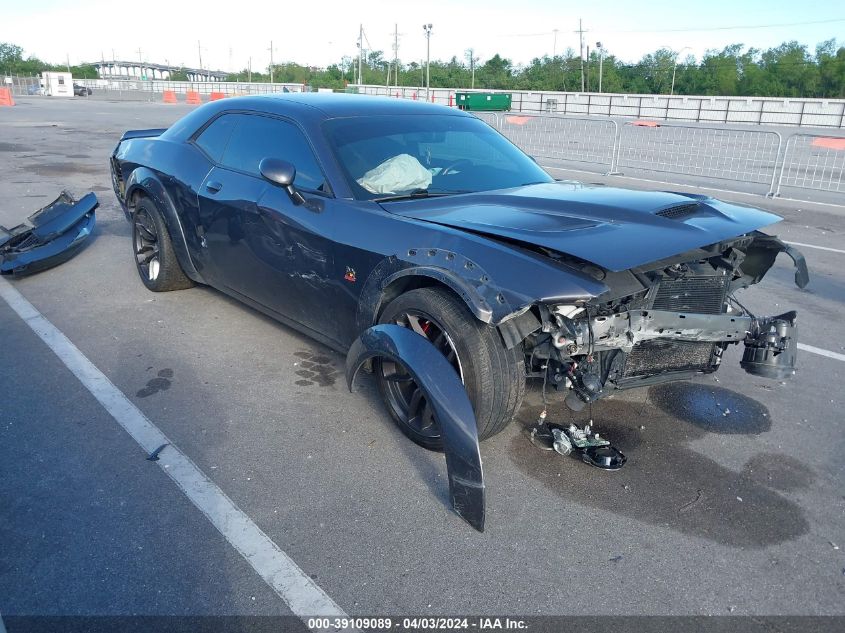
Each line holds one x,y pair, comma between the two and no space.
335,213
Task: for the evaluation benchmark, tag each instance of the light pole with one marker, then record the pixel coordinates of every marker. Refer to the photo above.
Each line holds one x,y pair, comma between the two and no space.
601,61
675,67
427,29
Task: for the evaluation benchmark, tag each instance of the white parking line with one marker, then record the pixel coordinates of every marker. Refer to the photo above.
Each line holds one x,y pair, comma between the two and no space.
821,248
821,352
303,596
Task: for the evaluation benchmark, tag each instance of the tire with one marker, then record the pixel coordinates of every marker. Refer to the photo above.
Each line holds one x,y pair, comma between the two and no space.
494,376
154,257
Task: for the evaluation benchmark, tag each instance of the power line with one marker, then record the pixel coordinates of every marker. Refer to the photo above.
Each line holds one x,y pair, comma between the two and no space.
689,29
727,28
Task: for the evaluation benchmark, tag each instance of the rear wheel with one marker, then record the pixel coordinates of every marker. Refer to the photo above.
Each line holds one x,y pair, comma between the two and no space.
494,377
154,257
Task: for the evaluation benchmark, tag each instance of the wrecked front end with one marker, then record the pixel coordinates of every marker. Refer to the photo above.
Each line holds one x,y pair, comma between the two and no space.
668,320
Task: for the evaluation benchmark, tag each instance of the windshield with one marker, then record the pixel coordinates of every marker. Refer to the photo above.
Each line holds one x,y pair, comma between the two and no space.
391,155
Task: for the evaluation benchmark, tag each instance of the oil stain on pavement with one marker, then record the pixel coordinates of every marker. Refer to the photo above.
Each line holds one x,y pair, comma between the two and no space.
160,383
665,482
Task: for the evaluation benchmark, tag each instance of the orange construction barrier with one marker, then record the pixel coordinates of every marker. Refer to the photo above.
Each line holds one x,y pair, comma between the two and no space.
517,120
170,96
451,99
193,97
216,95
415,96
829,142
6,97
643,123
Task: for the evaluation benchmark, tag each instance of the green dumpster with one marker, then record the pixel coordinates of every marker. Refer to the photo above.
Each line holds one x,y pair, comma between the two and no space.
479,101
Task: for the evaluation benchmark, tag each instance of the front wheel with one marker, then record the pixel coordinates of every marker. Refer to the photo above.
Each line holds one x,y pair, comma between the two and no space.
154,257
494,377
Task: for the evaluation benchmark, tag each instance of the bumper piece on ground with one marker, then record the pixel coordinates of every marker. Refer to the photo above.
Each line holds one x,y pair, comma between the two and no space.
447,396
51,235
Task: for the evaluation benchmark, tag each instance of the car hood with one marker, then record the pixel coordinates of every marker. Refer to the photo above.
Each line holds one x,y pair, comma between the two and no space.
614,228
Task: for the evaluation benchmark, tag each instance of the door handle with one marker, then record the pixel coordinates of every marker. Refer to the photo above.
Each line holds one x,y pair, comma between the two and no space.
214,186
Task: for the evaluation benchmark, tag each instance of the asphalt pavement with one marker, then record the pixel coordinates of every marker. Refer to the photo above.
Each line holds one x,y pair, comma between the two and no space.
731,502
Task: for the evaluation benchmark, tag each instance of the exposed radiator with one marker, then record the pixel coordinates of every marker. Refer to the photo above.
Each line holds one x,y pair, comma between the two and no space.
701,295
650,357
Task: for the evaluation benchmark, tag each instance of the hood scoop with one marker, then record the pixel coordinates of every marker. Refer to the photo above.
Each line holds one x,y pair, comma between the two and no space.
679,211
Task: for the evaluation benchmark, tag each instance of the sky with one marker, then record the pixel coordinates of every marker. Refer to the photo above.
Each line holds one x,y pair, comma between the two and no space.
321,32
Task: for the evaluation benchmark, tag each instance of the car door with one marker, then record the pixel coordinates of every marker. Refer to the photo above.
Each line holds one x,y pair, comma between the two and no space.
263,245
220,197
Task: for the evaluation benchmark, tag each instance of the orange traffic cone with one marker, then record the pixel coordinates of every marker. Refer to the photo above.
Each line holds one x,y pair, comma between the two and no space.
193,97
216,95
6,97
170,96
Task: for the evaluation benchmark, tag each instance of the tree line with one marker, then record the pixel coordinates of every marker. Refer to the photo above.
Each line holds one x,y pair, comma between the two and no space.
788,70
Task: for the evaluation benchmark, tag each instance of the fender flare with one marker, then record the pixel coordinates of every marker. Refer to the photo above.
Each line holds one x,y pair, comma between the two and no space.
145,180
460,274
446,394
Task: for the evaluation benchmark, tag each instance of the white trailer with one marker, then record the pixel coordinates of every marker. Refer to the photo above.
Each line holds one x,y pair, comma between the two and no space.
56,84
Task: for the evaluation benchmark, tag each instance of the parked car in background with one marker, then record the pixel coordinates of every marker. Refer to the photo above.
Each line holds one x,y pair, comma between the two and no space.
81,91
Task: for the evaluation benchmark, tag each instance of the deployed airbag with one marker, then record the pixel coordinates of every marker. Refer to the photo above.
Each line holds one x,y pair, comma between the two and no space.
400,173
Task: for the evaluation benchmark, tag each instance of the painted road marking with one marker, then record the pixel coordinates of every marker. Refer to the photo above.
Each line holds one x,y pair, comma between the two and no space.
821,352
821,248
303,596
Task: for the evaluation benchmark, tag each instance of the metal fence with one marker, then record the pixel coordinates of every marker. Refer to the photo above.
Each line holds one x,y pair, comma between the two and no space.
813,162
694,108
563,138
757,158
749,156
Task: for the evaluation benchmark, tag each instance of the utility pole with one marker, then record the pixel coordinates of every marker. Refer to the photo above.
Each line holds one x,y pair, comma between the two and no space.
199,52
360,53
427,29
601,61
68,61
396,54
581,32
472,60
271,61
554,46
249,66
588,68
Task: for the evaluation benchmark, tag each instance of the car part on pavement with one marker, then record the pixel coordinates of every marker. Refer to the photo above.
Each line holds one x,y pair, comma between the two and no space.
590,447
446,395
50,236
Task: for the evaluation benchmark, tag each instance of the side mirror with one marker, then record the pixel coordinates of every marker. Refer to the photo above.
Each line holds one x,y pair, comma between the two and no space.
282,173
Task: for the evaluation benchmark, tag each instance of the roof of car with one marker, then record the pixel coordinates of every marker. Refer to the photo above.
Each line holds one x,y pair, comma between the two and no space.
339,105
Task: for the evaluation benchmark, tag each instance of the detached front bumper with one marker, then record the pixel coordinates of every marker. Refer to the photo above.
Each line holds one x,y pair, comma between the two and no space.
52,235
